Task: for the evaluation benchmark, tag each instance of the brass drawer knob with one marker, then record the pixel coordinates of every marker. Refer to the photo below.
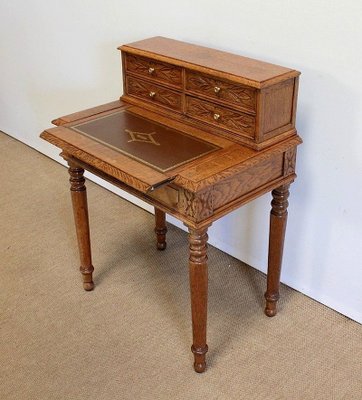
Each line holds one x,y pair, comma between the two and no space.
217,89
151,70
216,116
152,94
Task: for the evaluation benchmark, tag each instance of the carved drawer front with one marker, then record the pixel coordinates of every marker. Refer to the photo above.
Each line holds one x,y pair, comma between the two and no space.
229,92
152,93
238,122
154,70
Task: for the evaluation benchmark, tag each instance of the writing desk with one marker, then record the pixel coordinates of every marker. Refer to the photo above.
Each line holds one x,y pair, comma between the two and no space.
197,134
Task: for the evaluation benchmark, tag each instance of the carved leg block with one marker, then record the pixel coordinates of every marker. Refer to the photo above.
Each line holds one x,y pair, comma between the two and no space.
80,210
198,288
278,223
160,229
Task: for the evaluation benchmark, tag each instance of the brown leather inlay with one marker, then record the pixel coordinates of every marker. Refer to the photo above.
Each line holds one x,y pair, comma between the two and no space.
151,143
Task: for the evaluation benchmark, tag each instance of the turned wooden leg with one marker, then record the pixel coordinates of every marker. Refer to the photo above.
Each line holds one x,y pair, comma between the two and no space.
198,287
160,229
278,223
80,209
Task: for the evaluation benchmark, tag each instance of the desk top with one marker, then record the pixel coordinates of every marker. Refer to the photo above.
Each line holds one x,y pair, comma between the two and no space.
195,160
151,143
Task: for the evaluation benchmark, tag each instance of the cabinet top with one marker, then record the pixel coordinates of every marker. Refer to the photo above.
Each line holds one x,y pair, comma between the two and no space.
240,69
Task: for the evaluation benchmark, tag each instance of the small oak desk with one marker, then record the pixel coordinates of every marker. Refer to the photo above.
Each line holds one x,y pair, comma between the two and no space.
197,134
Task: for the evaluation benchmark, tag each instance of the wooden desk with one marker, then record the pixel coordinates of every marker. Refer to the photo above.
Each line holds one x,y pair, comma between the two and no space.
197,134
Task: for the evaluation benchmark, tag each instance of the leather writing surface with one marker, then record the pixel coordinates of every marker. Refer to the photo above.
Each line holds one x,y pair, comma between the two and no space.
151,143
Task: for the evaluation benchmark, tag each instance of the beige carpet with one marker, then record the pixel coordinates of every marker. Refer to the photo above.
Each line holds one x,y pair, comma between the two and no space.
131,337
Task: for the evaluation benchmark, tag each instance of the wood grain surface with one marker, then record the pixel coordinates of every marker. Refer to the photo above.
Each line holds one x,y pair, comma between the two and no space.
242,69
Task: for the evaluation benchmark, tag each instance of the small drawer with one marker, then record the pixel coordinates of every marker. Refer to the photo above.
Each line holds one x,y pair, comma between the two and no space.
152,93
154,70
214,88
166,195
238,122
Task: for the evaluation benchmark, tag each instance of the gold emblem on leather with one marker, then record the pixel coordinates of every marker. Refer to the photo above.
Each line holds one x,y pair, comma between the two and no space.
142,137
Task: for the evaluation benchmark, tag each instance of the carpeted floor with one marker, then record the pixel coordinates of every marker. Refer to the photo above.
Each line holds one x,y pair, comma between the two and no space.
130,338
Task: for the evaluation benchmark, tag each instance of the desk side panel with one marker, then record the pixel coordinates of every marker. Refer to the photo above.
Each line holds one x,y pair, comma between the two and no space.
248,180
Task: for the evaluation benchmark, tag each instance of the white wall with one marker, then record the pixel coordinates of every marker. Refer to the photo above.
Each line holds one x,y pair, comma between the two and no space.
58,57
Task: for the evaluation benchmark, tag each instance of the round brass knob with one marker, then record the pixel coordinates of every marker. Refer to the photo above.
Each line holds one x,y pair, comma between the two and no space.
216,116
152,94
151,70
217,89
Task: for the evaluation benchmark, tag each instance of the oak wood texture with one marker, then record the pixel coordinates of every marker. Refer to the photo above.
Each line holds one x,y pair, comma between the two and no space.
154,70
237,122
155,93
80,115
198,288
244,109
246,100
278,223
243,69
221,91
80,210
160,229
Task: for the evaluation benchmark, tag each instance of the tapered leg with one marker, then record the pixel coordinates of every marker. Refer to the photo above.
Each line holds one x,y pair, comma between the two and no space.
278,223
80,209
198,287
160,229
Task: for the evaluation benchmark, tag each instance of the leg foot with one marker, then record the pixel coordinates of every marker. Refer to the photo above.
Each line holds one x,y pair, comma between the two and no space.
198,288
278,223
199,355
88,283
88,286
271,305
160,229
80,210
